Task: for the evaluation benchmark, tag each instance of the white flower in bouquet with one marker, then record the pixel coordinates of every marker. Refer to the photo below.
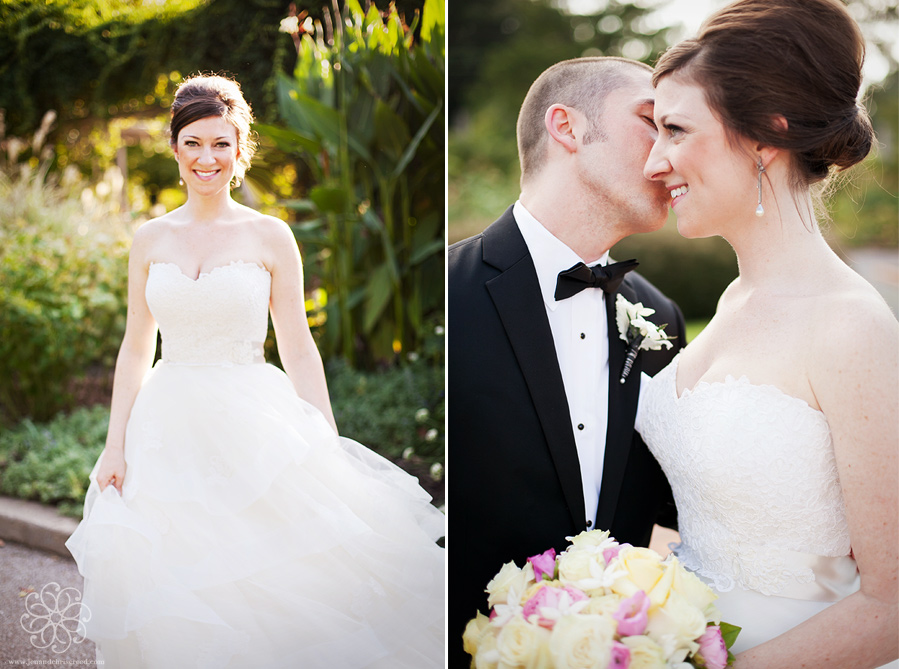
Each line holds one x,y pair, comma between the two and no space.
584,570
582,642
606,605
509,577
677,620
600,605
590,540
644,653
522,645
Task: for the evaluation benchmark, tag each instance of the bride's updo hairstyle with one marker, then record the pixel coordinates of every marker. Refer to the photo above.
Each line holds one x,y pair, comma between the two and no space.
799,59
203,96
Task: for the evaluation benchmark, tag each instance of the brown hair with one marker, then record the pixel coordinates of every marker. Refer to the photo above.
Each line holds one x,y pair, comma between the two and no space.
799,59
203,96
580,83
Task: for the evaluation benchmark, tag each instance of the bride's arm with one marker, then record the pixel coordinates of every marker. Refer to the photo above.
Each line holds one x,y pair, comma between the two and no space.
134,359
855,375
299,355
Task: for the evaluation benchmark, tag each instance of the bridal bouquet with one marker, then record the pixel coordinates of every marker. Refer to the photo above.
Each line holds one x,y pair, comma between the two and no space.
599,604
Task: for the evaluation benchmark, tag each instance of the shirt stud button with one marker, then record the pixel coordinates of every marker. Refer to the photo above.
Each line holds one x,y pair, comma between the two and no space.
580,426
589,523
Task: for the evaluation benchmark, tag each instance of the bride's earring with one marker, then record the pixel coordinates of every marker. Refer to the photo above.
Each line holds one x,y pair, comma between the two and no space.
760,210
181,183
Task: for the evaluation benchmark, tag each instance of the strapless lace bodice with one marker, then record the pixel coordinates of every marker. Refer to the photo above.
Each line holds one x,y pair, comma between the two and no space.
754,478
219,318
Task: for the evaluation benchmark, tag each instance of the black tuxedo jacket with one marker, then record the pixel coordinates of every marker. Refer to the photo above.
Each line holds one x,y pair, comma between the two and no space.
513,475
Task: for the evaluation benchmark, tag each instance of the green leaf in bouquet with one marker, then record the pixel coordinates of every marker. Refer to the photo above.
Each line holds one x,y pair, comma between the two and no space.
729,633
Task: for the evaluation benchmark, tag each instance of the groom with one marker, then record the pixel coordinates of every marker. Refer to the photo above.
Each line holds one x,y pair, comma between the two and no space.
541,430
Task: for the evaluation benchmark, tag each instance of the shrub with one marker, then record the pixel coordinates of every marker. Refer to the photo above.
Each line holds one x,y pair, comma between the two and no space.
63,284
50,463
398,412
393,410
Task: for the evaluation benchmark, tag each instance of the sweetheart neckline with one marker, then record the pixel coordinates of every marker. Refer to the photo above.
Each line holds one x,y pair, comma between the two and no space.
730,379
202,275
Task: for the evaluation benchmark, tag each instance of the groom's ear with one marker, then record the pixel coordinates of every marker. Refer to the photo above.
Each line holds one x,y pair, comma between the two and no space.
560,124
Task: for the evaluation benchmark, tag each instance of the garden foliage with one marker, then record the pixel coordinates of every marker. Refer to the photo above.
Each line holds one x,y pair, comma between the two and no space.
364,109
50,462
63,283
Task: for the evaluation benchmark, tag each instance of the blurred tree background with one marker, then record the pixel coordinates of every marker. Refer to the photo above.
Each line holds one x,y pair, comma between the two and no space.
498,49
349,101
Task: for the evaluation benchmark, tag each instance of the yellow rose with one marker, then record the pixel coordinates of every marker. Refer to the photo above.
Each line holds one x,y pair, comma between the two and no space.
643,569
588,539
689,586
509,577
678,620
603,606
645,653
474,631
581,641
521,644
487,656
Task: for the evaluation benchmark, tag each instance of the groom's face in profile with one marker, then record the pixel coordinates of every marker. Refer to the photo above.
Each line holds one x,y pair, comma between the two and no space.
612,167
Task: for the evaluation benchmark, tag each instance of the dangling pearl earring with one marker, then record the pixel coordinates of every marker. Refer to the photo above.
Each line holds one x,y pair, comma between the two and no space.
180,182
760,210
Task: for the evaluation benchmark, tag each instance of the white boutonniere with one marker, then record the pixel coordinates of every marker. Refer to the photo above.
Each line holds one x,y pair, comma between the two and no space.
639,333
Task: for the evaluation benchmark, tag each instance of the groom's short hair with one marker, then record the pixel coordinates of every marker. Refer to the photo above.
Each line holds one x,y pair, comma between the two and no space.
581,83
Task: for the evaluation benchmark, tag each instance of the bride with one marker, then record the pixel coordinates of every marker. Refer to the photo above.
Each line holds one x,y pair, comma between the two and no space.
778,425
226,523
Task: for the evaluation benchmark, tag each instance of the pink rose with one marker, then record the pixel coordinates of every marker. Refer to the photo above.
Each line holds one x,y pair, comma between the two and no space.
712,648
610,554
621,656
551,598
632,614
544,564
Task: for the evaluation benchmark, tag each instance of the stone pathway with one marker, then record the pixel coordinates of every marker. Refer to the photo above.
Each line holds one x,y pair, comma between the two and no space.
24,573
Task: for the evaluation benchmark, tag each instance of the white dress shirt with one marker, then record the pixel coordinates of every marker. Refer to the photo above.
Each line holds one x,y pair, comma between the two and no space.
580,334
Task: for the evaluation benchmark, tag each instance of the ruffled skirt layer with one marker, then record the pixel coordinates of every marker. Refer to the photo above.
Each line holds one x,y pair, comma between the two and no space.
249,535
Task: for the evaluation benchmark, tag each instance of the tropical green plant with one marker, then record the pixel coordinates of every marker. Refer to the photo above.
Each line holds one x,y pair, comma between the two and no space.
364,110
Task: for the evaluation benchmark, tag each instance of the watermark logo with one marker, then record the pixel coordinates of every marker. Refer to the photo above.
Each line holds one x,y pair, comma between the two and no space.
55,617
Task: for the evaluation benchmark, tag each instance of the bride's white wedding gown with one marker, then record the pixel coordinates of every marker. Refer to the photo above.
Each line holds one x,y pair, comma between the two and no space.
247,533
760,510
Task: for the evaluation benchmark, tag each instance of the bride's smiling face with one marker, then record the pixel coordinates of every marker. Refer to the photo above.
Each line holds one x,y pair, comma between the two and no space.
710,178
207,153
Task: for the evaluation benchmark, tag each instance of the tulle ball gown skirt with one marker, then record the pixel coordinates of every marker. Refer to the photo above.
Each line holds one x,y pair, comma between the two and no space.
249,535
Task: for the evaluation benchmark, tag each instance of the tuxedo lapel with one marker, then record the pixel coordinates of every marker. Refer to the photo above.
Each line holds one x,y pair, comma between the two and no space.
516,294
622,412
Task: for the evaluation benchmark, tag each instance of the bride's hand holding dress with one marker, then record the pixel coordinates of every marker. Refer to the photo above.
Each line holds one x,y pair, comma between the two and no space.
134,359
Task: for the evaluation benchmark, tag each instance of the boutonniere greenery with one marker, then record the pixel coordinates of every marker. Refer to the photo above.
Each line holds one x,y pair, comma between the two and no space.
638,333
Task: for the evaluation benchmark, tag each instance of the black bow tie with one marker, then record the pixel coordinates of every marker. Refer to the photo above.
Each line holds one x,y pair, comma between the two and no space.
574,280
